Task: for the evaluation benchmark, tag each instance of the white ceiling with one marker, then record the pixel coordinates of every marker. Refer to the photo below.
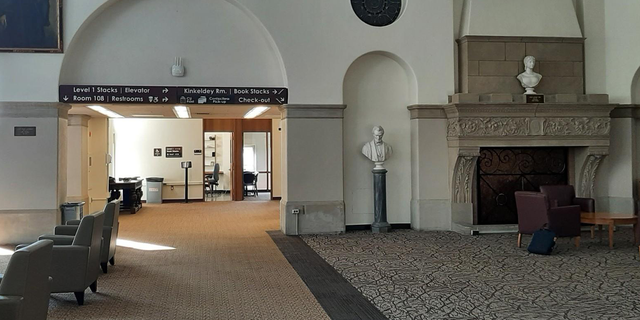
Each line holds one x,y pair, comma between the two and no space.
236,111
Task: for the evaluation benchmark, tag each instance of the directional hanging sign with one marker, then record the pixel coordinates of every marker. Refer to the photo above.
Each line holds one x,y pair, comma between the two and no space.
117,94
88,94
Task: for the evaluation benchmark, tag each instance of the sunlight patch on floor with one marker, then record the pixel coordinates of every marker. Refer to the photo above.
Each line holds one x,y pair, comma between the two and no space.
5,252
141,245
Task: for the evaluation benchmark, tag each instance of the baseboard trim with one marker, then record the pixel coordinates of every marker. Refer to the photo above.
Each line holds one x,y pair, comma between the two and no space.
361,227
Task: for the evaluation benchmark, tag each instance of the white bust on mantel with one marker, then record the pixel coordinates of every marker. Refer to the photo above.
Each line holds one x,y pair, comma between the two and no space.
529,79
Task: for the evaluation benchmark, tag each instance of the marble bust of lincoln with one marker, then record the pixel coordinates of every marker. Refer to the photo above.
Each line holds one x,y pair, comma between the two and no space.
377,150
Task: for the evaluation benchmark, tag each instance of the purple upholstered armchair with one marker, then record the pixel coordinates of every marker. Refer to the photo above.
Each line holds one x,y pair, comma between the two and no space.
534,212
562,196
565,195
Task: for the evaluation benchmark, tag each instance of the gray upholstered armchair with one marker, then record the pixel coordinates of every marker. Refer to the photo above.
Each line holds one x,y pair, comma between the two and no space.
76,260
109,232
24,288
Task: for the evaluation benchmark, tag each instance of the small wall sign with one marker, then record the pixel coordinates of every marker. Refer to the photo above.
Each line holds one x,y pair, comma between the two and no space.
173,152
535,98
157,152
197,152
24,131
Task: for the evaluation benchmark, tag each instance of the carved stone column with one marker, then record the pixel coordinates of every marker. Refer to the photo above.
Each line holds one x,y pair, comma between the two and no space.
589,171
464,175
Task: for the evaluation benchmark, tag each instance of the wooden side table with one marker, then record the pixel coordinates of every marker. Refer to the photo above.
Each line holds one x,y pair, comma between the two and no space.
610,219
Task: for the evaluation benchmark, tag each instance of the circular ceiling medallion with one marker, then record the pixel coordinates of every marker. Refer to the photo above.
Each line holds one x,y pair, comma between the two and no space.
378,13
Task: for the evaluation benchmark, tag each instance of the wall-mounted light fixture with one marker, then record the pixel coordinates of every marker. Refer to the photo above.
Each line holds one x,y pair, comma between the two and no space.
177,70
105,111
256,111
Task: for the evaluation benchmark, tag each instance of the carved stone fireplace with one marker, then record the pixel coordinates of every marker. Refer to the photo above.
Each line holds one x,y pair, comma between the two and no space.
579,124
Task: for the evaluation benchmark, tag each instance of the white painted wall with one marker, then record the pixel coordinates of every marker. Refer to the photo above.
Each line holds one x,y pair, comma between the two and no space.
134,144
135,35
430,180
314,170
539,18
620,174
29,170
43,70
377,92
127,43
592,14
622,46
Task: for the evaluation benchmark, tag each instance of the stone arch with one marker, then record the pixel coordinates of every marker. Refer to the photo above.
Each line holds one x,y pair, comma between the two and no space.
635,88
377,88
135,42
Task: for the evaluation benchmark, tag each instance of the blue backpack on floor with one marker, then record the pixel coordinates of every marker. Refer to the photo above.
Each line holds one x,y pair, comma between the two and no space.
542,242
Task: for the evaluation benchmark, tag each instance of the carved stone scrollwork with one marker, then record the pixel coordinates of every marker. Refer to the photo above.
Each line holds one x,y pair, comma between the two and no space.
588,175
577,126
463,178
488,127
501,127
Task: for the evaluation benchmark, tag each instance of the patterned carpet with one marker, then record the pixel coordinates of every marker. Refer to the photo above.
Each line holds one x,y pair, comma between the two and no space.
224,266
444,275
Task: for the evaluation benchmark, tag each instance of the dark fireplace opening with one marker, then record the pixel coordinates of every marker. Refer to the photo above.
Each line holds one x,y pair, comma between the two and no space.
503,171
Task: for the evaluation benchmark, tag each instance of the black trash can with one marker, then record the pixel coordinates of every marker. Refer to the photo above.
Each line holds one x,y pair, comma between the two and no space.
154,189
72,211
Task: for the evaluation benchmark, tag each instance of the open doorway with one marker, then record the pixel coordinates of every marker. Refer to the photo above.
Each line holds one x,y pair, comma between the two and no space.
256,166
217,166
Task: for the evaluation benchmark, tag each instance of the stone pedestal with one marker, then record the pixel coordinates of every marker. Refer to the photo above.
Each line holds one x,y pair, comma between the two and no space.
380,224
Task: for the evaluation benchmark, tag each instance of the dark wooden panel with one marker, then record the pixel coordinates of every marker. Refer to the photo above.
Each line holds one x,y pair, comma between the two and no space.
256,125
237,193
218,125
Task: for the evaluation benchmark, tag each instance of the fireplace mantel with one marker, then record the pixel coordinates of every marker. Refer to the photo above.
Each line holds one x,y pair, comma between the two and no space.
503,120
514,124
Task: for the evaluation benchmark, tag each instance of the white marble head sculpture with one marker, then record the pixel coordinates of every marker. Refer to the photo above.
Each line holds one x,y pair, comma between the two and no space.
529,62
529,79
378,133
377,150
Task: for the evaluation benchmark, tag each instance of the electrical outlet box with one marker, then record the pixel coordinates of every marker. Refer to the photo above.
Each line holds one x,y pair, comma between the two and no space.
295,211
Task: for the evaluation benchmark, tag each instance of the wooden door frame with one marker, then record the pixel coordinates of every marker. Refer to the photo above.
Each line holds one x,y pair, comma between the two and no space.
238,127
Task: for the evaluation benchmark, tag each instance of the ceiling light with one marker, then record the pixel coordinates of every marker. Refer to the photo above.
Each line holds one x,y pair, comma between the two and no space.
256,111
182,112
105,111
148,116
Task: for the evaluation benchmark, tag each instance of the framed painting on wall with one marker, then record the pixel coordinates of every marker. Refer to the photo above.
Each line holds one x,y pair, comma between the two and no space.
31,26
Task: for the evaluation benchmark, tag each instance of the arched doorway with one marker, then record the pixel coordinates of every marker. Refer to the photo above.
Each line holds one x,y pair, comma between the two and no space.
377,89
136,43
